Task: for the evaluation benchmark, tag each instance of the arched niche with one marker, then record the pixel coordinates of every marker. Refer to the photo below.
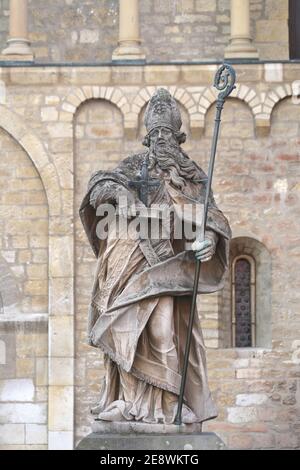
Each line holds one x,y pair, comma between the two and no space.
23,231
98,145
261,275
285,121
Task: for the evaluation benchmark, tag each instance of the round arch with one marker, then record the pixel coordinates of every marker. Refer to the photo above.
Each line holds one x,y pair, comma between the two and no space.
15,127
251,247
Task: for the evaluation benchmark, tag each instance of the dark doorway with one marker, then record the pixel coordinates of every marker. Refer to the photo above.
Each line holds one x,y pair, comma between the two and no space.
294,29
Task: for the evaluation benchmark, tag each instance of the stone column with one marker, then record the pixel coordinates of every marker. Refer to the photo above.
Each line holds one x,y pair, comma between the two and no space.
18,44
241,46
129,32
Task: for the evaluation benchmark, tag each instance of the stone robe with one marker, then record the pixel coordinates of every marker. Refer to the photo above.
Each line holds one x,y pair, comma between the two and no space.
141,300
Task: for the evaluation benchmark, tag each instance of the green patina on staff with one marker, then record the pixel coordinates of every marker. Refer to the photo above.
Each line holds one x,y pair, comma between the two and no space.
224,82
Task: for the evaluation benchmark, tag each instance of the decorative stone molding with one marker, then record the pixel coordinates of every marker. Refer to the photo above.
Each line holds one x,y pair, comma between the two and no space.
261,104
196,101
263,111
33,146
113,94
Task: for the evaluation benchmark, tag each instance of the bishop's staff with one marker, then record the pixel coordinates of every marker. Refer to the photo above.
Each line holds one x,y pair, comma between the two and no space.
224,82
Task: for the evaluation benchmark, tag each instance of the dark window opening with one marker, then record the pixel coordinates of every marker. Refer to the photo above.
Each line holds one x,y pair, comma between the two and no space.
294,29
243,296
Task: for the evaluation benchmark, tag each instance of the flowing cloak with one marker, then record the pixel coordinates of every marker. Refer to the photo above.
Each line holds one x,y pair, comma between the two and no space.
132,275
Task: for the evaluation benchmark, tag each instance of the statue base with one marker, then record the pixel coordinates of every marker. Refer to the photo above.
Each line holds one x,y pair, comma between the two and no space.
143,436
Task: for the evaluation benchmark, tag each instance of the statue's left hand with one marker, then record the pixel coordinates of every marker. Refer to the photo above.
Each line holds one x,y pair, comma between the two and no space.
205,250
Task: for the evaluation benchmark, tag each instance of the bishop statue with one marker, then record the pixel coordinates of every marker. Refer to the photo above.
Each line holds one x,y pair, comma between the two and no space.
142,291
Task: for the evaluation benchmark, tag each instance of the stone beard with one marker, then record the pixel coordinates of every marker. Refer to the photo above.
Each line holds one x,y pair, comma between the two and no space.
169,157
141,297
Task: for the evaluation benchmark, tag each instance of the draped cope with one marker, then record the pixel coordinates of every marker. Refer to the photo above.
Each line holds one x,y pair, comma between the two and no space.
141,299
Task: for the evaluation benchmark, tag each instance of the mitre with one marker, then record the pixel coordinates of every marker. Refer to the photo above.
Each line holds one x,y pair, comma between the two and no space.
162,111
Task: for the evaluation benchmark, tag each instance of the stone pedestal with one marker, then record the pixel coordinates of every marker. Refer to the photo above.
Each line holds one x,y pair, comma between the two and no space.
141,436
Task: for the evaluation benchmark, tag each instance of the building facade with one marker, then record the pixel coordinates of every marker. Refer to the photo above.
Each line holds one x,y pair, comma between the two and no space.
75,79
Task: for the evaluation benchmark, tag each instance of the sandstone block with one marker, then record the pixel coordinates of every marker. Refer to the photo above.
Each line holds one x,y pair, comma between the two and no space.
12,434
36,434
242,415
16,390
35,413
61,404
251,399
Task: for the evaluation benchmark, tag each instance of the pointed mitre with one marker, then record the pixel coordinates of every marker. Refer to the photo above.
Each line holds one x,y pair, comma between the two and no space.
162,111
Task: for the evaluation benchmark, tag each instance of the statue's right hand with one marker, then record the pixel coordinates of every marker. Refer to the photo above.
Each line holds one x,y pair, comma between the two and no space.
204,250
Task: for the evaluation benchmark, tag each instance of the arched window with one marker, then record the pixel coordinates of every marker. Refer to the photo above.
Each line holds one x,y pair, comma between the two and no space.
243,302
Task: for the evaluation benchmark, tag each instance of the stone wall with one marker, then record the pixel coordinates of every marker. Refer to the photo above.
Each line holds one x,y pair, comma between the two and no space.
81,31
24,232
62,118
24,383
24,299
99,144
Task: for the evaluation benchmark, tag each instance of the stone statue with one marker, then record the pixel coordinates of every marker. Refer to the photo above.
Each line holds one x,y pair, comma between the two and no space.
143,285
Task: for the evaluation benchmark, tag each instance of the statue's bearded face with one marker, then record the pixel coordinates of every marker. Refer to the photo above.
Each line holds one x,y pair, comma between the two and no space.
160,137
164,146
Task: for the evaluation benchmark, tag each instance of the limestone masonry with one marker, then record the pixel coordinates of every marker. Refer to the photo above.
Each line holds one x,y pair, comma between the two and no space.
58,124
